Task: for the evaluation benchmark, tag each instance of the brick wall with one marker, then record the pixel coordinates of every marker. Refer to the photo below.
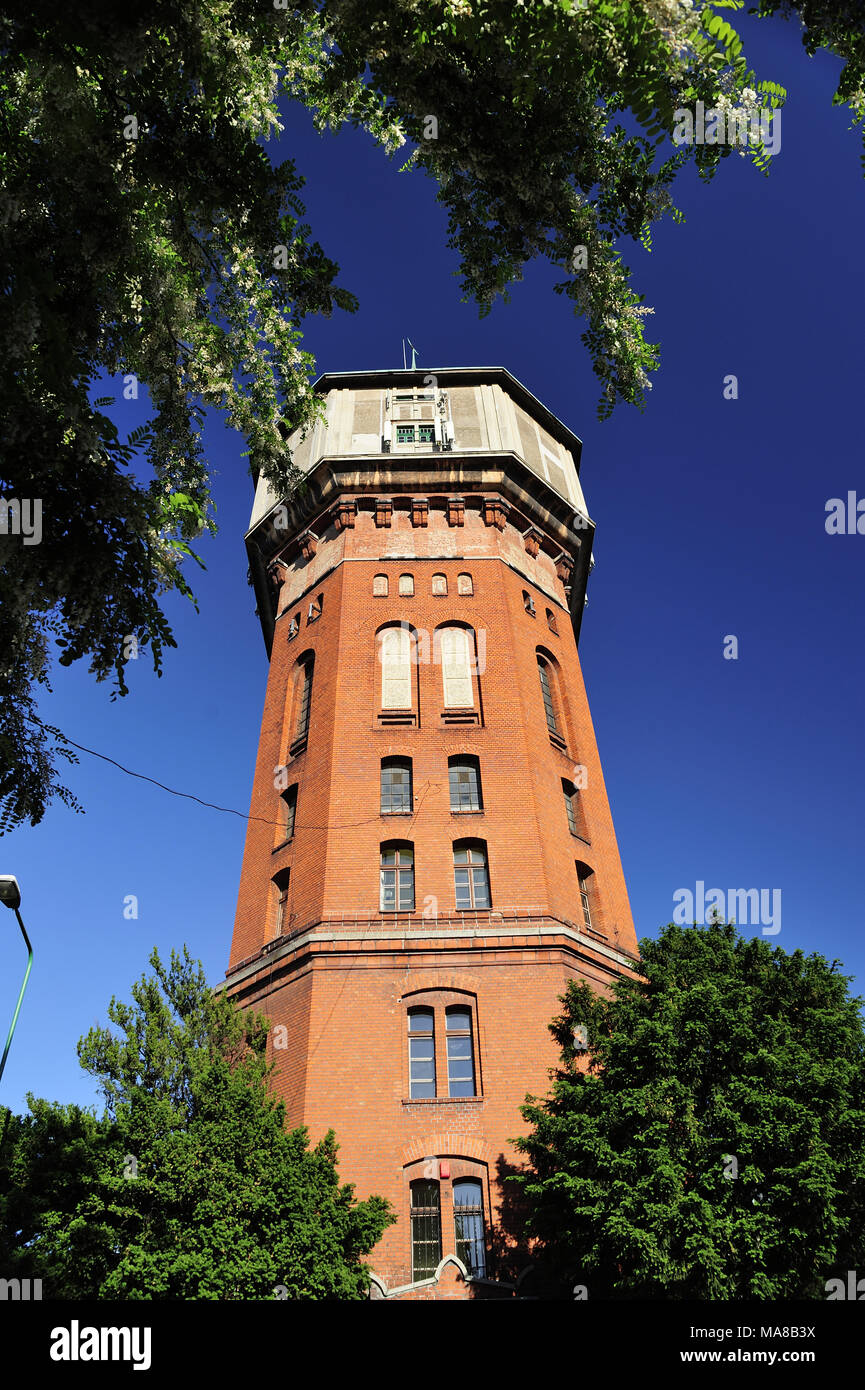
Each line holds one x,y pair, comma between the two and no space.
343,974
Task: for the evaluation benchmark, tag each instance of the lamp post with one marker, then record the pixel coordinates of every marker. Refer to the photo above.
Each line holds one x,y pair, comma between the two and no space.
10,895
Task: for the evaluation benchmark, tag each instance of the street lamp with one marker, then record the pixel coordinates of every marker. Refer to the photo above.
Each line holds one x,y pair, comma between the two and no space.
10,894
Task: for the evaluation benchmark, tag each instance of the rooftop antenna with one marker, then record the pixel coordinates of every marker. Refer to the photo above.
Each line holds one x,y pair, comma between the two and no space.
413,353
403,354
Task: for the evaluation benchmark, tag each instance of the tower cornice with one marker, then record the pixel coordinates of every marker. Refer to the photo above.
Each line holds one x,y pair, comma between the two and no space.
499,485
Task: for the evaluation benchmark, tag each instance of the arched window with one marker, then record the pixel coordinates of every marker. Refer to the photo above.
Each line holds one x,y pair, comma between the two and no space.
471,880
588,898
469,1225
289,811
421,1054
528,603
574,810
396,793
457,658
426,1229
461,1061
395,655
397,877
544,671
379,586
551,621
406,585
464,775
303,701
464,584
440,585
280,885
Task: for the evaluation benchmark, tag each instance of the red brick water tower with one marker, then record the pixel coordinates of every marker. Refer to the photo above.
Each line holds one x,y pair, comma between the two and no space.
430,855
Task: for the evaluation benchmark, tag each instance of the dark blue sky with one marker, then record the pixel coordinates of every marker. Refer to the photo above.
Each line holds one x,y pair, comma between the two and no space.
710,521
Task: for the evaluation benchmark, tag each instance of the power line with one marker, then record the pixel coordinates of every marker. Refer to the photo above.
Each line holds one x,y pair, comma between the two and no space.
211,805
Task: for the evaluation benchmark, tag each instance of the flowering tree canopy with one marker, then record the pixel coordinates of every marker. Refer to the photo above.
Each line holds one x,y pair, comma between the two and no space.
145,233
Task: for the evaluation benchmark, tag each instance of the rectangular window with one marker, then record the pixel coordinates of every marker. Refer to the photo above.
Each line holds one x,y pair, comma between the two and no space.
305,700
471,884
397,880
569,809
455,653
547,693
464,787
584,899
469,1226
395,789
426,1230
425,434
289,800
461,1067
281,919
421,1055
395,652
405,434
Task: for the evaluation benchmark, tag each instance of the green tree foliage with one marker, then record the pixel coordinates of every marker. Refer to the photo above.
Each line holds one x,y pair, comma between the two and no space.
711,1142
146,235
188,1187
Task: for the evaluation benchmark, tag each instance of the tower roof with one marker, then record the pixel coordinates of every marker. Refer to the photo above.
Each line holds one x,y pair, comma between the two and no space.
458,376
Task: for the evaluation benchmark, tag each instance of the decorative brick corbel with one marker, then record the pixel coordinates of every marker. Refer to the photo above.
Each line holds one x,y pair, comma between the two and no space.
276,575
495,512
308,544
456,511
532,541
343,515
564,568
419,511
383,511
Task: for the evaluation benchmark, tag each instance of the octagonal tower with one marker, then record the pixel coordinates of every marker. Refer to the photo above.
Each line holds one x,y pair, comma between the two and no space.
430,855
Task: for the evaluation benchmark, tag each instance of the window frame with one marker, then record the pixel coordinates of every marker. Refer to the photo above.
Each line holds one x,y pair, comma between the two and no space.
302,702
551,695
281,884
400,871
391,763
592,916
465,762
422,1035
476,1268
402,713
454,1034
456,672
574,811
289,807
439,1000
428,1211
469,867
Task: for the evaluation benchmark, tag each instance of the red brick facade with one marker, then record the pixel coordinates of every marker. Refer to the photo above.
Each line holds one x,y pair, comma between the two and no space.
314,948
